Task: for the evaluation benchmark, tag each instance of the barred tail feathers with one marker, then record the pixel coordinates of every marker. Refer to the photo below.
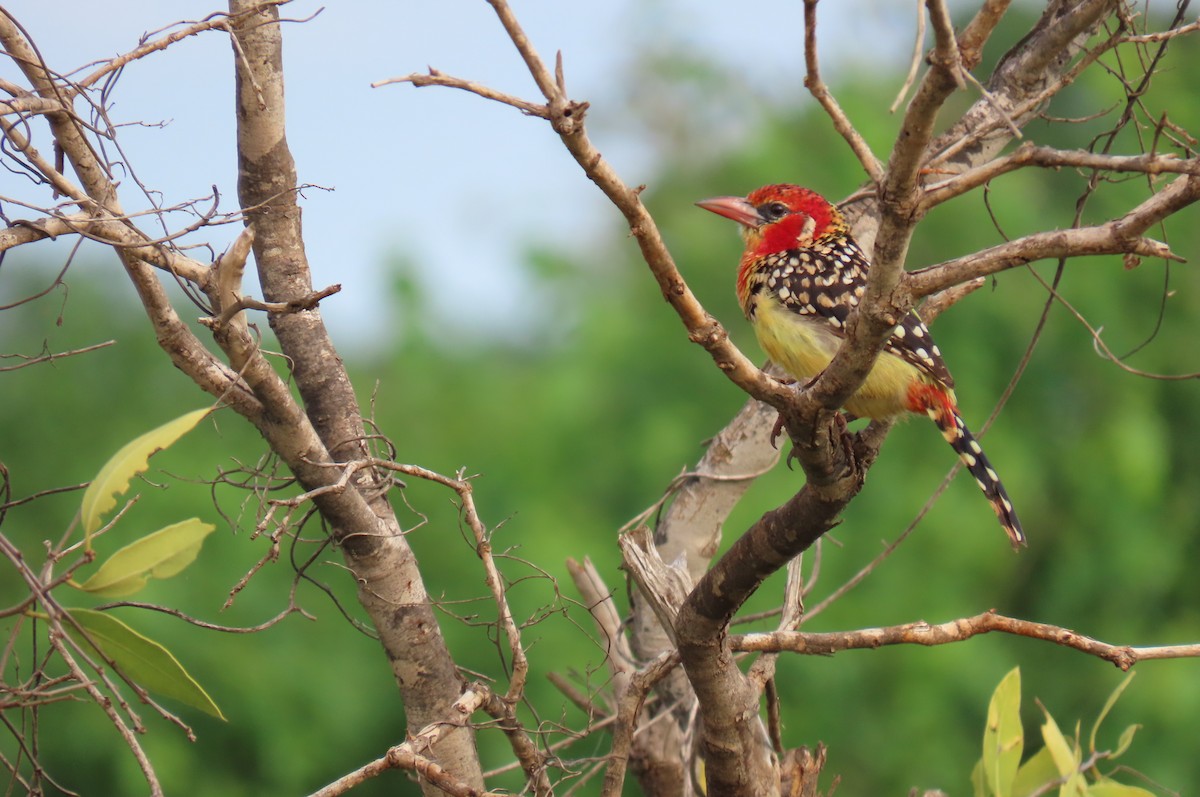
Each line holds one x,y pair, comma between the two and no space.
941,408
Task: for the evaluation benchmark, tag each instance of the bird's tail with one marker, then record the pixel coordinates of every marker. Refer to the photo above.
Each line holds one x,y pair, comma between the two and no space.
941,408
967,447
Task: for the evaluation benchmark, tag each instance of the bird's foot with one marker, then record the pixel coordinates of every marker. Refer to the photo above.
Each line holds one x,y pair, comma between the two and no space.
776,430
842,421
791,455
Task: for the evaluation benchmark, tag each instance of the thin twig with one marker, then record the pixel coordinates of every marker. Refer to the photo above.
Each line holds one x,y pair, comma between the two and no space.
531,757
922,633
436,78
623,730
45,358
408,755
227,629
1098,342
1119,236
915,64
1161,36
483,547
1029,154
216,21
991,100
820,92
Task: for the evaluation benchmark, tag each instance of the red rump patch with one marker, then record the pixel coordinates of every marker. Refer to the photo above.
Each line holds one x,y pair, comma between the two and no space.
923,397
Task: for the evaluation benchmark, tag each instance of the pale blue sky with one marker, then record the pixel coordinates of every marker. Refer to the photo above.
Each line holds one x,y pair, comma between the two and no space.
454,182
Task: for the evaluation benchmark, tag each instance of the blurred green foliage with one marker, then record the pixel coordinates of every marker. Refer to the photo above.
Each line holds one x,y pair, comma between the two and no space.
582,423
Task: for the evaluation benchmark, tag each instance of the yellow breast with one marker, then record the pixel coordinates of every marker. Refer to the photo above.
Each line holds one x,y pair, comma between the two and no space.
804,345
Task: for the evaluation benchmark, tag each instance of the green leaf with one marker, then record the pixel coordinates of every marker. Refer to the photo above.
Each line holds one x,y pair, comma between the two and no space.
133,458
143,661
1108,704
1125,740
1110,788
977,785
1003,737
1035,774
161,554
1066,758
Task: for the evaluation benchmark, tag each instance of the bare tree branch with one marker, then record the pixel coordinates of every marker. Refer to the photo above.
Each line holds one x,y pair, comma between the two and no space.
1029,154
410,754
682,607
216,21
1009,100
1102,347
629,708
436,78
45,358
1027,77
98,197
915,63
391,587
922,633
817,87
881,307
566,117
531,758
1119,236
109,703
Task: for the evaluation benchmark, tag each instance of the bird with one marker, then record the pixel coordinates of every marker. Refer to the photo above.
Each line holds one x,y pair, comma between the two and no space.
800,276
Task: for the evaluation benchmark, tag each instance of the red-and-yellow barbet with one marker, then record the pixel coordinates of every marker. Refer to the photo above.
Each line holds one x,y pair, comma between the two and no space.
800,276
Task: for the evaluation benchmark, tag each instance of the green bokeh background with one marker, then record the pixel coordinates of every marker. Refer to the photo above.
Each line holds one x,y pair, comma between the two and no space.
579,423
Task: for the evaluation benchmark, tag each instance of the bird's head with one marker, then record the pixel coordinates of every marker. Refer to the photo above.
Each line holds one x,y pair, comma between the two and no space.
777,218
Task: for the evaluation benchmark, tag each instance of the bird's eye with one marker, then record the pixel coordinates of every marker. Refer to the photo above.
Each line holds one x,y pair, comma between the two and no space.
773,211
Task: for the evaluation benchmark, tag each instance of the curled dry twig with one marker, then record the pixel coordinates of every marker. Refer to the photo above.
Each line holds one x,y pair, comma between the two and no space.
483,547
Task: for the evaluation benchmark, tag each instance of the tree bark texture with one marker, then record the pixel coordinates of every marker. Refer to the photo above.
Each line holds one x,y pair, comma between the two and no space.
362,521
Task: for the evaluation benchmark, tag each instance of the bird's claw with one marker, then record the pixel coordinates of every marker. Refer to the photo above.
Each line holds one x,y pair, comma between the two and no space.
776,430
841,419
791,455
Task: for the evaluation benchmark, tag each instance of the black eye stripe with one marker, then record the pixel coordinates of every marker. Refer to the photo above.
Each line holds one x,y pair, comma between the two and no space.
773,211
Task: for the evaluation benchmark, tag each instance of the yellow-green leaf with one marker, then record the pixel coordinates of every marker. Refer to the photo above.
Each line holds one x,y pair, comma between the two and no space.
161,554
1066,758
1125,740
1034,774
977,786
1108,704
141,660
1110,788
133,458
1003,738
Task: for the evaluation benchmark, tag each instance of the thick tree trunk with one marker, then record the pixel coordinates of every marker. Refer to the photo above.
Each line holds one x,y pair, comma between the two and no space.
366,529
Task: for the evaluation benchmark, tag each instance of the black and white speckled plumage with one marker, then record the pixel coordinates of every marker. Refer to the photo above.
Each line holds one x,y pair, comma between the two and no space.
800,277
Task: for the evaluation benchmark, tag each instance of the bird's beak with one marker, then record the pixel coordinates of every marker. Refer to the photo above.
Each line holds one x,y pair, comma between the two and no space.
733,207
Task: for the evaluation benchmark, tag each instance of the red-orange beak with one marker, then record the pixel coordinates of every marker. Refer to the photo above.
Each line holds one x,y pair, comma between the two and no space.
733,207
